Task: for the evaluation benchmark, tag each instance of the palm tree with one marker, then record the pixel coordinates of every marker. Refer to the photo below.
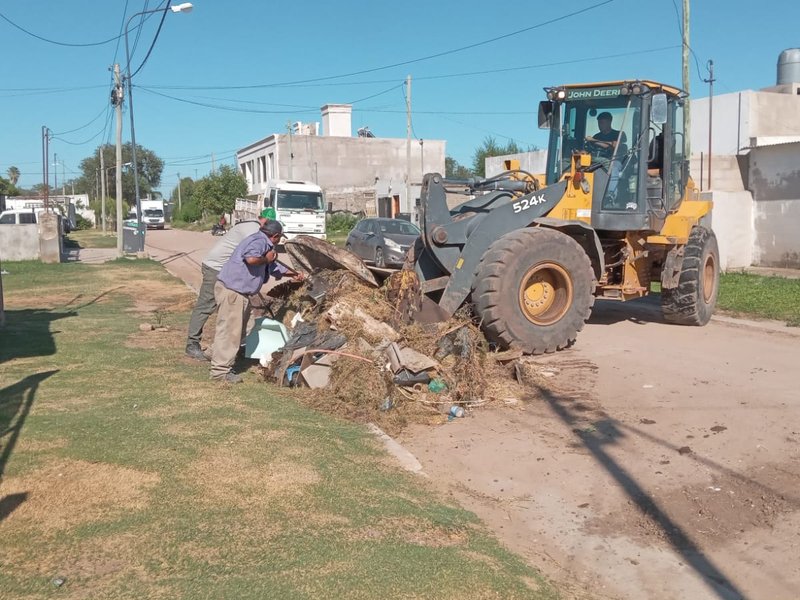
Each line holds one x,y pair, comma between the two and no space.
13,175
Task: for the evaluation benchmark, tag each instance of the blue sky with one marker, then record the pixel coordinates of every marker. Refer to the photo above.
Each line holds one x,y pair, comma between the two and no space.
226,45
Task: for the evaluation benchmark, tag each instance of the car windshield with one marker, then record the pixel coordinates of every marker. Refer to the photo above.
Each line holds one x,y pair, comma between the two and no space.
398,227
288,200
153,212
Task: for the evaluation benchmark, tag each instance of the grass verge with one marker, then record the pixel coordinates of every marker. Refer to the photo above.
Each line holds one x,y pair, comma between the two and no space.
761,297
126,473
91,238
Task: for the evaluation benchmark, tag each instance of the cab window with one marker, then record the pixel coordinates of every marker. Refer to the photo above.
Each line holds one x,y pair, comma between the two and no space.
27,218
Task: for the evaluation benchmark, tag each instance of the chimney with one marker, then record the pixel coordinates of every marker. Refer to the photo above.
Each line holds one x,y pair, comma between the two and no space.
336,120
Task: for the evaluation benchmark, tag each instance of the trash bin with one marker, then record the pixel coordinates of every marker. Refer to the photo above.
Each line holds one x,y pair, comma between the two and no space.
131,232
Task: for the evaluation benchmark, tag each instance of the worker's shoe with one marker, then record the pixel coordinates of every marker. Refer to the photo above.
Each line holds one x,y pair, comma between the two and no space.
229,377
193,350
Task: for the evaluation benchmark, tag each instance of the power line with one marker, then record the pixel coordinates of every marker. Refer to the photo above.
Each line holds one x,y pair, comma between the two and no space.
56,42
121,32
414,60
228,108
102,131
105,108
153,43
433,77
386,91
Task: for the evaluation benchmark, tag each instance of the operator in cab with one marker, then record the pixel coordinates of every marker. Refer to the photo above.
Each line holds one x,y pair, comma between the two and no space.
603,144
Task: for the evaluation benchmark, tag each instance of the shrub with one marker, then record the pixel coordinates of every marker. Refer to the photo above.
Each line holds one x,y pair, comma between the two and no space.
189,212
341,222
82,223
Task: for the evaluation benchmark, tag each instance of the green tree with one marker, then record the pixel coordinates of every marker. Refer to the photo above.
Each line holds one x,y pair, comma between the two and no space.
217,192
150,167
187,191
13,175
455,170
8,189
490,147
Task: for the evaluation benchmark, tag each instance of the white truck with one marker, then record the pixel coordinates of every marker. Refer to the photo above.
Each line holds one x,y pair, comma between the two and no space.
299,206
153,213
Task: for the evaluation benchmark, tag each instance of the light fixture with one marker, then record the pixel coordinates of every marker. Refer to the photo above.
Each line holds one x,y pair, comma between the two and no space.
185,7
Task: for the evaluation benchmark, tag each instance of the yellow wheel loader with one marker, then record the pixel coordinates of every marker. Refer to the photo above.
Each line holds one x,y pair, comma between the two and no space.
614,212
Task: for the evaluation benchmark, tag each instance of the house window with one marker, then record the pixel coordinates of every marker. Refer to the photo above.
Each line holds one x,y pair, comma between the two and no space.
271,165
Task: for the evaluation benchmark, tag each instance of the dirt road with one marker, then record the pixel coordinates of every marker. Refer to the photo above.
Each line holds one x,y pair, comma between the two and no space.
649,461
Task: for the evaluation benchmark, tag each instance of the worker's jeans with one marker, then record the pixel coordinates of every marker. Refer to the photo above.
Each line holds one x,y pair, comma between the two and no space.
232,317
205,306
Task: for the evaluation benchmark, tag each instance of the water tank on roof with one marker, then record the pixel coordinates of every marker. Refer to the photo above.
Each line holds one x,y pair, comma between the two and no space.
789,66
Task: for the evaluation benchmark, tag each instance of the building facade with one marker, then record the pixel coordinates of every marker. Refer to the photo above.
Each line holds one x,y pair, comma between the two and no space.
361,174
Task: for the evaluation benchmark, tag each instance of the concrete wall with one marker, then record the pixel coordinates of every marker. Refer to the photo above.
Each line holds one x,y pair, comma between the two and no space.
732,222
19,242
351,170
740,116
533,162
775,183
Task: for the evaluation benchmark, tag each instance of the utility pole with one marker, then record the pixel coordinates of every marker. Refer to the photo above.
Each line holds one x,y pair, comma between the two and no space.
102,189
213,163
408,144
710,82
116,99
687,120
46,166
291,153
55,173
179,192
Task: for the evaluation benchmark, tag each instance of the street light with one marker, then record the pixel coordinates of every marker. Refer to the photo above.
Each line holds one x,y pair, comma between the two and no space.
178,8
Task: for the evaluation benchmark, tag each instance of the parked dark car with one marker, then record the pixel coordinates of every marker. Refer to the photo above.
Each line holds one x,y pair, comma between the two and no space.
384,242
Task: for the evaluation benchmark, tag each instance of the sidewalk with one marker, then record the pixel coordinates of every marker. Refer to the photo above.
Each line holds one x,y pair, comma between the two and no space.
774,272
90,256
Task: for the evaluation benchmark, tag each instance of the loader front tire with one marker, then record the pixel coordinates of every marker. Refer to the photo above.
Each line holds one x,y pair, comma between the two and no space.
534,290
693,301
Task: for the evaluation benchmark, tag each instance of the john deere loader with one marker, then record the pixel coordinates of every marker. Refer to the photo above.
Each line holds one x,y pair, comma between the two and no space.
614,212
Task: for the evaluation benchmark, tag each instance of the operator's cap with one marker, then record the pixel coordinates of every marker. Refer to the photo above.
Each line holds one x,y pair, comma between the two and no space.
604,115
268,213
272,227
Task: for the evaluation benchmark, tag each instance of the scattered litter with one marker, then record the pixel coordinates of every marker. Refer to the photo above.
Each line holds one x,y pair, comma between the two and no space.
648,386
714,489
456,411
437,385
59,581
146,327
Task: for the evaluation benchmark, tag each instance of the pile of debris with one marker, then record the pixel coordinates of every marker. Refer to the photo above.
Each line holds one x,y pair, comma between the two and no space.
354,346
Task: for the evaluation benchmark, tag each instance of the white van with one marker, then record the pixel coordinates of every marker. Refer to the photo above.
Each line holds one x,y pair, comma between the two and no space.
18,217
299,206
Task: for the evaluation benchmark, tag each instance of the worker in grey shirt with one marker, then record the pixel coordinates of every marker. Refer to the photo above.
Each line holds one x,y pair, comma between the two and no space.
211,266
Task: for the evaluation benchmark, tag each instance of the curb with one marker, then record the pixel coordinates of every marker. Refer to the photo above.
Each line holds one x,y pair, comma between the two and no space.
764,326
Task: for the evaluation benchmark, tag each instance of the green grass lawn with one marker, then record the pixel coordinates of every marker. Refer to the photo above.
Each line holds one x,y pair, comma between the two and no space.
91,238
126,472
759,296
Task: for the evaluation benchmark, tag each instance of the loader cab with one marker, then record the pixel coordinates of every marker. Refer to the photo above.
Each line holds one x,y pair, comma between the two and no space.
633,133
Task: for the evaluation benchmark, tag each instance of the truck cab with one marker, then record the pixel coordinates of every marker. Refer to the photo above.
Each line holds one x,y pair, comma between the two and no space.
299,206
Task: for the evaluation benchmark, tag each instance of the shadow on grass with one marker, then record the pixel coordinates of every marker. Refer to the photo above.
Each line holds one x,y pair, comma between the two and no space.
15,404
607,433
27,333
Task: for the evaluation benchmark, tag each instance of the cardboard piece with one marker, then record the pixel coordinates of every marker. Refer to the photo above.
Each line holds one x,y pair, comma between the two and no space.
317,374
409,359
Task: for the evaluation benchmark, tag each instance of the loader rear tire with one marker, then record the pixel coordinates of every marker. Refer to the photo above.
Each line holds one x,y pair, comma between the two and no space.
533,290
693,301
